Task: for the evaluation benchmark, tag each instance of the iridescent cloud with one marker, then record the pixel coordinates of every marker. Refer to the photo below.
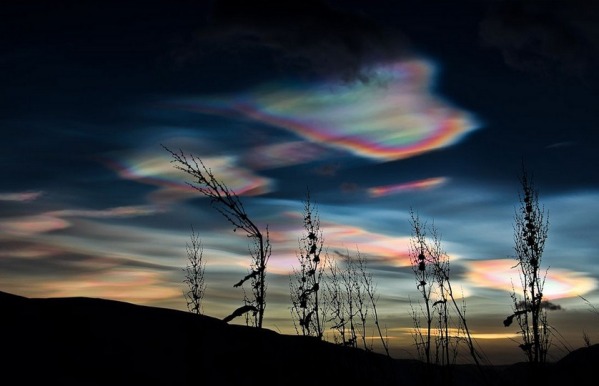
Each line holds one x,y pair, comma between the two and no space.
13,248
123,284
348,239
20,196
121,211
379,191
501,274
32,225
338,238
282,154
54,220
394,115
158,170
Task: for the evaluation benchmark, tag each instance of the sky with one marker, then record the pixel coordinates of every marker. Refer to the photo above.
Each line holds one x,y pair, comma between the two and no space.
376,108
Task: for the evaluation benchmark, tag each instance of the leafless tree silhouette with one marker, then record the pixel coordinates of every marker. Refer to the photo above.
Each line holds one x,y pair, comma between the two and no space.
309,305
194,274
530,232
343,299
431,267
353,300
230,206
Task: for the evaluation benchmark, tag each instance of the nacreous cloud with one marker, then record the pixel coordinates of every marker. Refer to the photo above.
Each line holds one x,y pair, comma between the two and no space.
20,196
339,238
380,191
500,274
32,225
157,170
394,115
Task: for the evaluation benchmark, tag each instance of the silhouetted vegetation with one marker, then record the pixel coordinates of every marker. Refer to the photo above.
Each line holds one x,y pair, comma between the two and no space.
194,274
338,290
352,300
91,342
338,293
309,303
594,310
230,206
373,297
445,319
530,233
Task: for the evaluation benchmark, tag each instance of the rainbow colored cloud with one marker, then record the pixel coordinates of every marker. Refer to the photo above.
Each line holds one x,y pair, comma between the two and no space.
394,115
501,274
338,238
122,283
158,170
380,191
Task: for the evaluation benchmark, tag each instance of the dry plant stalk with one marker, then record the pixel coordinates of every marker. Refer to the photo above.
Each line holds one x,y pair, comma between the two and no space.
530,232
230,206
194,274
439,305
309,305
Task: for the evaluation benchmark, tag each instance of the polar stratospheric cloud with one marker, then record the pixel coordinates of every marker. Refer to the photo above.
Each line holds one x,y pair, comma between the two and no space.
393,115
501,274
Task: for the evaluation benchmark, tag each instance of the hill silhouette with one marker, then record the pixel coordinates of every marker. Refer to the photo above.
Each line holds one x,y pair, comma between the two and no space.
92,341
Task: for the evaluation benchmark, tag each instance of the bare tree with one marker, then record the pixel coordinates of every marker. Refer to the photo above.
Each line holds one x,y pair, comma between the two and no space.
353,301
530,232
342,301
431,267
230,206
424,275
194,274
309,306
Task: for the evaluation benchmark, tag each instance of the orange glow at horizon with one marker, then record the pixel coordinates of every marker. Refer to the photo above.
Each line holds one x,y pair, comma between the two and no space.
455,333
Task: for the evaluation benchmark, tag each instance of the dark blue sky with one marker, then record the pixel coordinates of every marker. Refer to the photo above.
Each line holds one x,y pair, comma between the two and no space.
375,107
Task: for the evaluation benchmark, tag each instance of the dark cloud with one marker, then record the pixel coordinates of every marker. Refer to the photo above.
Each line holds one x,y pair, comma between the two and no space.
547,305
544,37
327,170
550,306
308,35
349,187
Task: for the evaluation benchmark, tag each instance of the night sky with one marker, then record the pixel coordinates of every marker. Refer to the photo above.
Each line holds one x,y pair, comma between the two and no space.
376,108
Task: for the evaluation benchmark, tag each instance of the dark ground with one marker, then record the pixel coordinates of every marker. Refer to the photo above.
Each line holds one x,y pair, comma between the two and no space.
89,341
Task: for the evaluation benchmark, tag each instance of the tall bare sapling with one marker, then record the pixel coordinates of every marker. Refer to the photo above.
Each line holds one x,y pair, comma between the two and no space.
530,232
194,274
309,305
